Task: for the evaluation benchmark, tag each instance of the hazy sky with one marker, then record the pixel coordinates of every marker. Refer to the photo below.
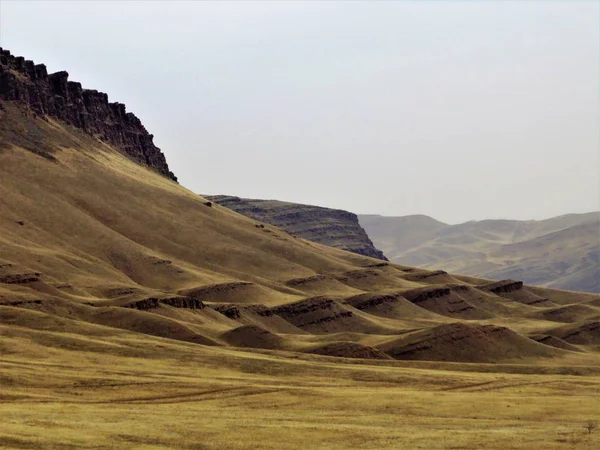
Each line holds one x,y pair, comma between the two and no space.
458,110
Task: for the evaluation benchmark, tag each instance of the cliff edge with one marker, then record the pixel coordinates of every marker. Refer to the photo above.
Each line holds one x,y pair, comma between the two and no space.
332,227
53,95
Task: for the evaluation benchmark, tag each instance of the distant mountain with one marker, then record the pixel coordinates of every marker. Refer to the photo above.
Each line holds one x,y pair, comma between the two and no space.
332,227
561,252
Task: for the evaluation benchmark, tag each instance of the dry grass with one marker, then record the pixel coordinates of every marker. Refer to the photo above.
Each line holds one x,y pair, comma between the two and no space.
185,396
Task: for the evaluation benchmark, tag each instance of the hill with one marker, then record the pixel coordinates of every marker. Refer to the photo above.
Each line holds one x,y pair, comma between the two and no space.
132,309
561,252
333,227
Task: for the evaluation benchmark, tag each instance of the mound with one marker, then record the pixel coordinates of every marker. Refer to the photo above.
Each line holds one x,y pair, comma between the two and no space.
389,305
122,318
565,297
51,332
147,323
235,292
514,290
487,301
466,343
580,334
594,302
349,350
323,314
567,314
37,320
253,337
444,301
258,315
553,341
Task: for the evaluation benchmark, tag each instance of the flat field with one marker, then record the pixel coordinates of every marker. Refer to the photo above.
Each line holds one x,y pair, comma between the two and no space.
175,395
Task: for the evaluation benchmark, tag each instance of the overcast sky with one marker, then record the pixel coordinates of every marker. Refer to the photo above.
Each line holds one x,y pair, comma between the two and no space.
457,110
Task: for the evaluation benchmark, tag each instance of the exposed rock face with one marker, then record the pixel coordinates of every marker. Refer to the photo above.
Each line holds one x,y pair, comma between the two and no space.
53,95
178,302
311,312
419,295
368,301
503,286
333,227
20,278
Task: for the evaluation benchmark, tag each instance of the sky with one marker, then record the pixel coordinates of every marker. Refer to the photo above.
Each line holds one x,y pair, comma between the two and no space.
457,110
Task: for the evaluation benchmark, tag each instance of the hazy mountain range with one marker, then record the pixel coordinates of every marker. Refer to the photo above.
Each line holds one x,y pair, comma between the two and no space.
562,252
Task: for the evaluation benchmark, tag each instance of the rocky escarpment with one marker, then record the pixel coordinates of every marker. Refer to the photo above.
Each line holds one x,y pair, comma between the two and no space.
503,286
365,302
177,302
53,95
332,227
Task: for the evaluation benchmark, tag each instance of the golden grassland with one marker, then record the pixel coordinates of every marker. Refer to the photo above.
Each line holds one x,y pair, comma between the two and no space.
178,395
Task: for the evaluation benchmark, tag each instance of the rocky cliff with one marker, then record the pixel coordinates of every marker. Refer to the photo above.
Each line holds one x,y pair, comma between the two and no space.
332,227
53,95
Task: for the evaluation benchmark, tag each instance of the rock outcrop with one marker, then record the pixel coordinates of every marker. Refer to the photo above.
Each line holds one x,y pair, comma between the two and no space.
332,227
53,95
502,286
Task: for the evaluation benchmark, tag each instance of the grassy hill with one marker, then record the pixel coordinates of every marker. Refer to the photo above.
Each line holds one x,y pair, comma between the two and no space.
562,252
137,314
